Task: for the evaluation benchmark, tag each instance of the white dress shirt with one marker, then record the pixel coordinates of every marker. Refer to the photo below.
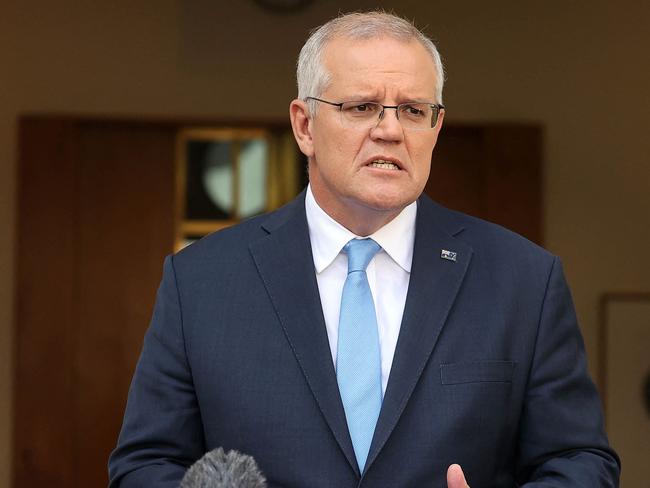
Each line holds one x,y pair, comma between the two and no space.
388,273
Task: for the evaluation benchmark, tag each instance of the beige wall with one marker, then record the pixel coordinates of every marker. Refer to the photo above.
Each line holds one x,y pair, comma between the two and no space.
580,68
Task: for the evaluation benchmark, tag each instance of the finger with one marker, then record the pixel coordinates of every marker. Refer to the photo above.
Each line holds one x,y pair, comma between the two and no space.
455,477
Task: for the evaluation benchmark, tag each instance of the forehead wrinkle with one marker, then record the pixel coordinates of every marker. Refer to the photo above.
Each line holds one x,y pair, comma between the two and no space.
357,74
383,94
367,83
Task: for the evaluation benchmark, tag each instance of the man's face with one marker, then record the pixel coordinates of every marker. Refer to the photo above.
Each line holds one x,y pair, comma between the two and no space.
344,180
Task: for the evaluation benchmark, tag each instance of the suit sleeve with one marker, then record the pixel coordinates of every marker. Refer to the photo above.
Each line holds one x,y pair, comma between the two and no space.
562,439
162,431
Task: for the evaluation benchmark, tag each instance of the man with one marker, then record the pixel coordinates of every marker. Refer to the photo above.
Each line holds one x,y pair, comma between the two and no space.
363,335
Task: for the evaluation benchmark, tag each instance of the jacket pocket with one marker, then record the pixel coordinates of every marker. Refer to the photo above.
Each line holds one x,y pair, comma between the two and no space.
477,372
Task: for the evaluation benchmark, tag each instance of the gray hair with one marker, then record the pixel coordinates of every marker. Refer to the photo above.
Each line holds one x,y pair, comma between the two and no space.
311,74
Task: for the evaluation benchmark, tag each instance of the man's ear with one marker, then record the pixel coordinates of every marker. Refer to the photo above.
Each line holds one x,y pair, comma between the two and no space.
302,125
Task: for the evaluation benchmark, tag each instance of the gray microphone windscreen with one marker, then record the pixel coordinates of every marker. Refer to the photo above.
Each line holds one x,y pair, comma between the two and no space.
219,469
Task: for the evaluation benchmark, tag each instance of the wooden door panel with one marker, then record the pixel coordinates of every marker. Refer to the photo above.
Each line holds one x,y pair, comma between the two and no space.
43,379
96,219
493,172
125,230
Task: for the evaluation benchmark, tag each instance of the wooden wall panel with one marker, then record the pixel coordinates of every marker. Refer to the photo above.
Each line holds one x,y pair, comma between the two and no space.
456,178
96,220
45,305
125,230
493,172
513,178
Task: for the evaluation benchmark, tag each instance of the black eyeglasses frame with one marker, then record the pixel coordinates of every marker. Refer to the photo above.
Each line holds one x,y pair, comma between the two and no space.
437,107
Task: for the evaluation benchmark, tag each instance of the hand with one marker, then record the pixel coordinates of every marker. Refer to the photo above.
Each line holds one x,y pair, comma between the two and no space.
455,477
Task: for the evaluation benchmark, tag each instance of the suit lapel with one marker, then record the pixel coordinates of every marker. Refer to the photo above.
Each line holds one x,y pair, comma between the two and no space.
433,287
285,264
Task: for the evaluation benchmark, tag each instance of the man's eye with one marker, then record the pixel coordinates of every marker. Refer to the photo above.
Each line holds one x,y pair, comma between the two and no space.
360,108
413,110
363,107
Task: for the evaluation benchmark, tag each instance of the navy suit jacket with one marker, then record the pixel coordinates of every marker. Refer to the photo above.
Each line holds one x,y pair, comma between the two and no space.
489,370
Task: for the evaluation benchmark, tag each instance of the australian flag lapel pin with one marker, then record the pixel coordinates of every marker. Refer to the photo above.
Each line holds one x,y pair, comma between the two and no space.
449,255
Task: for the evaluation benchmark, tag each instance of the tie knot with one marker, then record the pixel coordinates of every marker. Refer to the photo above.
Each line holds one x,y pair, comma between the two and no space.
360,252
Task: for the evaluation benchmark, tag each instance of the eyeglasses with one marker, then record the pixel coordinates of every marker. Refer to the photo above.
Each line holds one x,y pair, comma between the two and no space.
364,115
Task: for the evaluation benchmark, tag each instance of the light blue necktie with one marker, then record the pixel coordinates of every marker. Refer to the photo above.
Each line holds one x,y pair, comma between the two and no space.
358,361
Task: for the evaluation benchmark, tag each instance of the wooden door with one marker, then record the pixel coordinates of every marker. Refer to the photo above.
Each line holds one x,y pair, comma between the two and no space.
96,220
493,172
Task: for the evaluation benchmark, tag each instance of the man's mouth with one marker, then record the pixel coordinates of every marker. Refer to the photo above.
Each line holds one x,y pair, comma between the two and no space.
383,164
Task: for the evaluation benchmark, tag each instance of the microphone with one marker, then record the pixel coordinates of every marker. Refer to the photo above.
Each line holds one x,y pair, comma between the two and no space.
219,469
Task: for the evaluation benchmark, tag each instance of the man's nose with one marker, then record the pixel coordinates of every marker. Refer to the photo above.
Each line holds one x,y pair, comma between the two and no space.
388,126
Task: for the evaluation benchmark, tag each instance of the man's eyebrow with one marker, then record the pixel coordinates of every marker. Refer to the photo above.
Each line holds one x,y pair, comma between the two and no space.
375,97
365,97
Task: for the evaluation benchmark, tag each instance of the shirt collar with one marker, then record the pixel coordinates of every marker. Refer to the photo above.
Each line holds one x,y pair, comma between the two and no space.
328,237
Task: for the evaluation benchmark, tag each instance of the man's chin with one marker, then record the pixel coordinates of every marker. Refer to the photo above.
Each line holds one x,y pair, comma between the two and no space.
388,203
